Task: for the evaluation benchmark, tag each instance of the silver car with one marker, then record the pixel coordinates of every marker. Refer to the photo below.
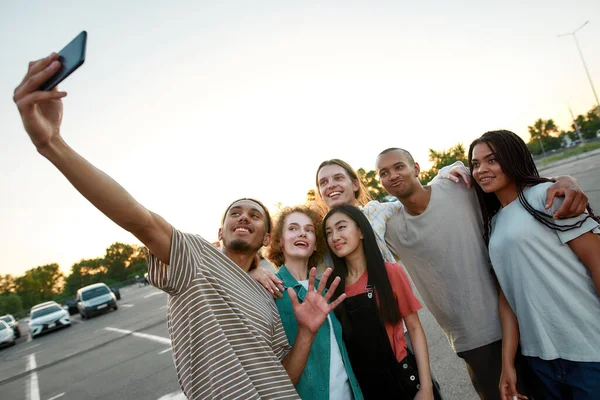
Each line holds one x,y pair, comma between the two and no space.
7,335
95,299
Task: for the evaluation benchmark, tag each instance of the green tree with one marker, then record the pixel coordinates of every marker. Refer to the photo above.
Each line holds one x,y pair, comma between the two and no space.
7,284
441,159
10,304
117,259
543,133
138,263
39,284
371,182
84,273
588,125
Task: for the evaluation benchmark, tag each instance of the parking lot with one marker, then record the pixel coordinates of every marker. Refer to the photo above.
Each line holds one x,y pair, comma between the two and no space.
99,358
126,354
586,169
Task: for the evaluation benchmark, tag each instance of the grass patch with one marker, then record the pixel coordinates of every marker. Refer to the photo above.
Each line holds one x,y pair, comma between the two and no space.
571,152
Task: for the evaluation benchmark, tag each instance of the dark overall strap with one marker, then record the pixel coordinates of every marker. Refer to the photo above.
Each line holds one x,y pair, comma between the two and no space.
369,348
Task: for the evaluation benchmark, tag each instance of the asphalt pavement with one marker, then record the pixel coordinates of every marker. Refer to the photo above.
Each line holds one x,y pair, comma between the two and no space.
123,354
126,354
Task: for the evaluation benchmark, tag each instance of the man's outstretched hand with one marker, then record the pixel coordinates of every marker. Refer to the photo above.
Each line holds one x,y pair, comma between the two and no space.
313,311
41,111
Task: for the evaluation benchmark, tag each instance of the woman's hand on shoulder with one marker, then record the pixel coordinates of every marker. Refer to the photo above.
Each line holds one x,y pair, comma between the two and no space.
268,280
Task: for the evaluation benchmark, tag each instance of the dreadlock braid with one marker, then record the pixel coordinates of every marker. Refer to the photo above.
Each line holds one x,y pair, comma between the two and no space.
517,163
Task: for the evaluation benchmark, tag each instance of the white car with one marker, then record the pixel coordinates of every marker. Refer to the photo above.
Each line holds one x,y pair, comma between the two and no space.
7,335
47,318
12,323
44,304
95,299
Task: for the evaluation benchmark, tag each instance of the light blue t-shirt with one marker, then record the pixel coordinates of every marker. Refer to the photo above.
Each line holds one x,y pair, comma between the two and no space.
545,283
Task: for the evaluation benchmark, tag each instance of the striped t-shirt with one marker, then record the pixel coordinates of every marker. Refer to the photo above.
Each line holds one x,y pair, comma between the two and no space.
227,338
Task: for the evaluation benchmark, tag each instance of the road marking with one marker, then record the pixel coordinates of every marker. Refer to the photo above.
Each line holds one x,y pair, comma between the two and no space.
164,351
154,338
153,294
33,389
30,347
57,396
126,305
164,307
178,395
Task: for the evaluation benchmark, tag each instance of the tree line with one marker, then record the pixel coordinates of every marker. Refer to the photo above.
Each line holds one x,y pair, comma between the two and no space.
545,135
121,262
542,132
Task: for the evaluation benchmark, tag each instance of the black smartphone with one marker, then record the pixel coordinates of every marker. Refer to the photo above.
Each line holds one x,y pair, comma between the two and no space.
71,58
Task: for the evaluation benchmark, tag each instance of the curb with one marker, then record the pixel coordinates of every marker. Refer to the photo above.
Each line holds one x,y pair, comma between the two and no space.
558,163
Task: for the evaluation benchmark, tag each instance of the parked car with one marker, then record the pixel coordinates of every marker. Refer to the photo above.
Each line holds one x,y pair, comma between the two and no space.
47,318
71,305
12,324
116,291
44,304
7,335
95,299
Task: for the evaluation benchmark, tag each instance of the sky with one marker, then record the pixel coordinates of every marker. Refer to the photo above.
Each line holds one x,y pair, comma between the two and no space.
192,104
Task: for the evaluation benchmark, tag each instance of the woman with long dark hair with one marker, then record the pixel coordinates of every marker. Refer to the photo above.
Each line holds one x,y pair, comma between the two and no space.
548,271
378,298
296,247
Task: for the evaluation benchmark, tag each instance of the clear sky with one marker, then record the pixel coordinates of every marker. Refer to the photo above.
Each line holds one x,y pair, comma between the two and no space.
192,104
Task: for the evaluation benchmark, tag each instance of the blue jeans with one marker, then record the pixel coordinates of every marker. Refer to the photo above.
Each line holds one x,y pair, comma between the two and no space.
564,379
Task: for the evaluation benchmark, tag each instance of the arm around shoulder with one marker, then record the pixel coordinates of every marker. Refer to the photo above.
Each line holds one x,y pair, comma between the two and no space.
587,248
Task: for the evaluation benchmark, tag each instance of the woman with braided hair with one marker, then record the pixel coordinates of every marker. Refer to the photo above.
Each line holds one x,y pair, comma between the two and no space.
548,271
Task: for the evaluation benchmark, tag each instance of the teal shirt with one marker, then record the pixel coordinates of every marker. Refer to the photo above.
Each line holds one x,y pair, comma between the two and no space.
314,381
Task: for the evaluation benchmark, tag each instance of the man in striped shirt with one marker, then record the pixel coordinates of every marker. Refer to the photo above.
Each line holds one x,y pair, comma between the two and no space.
228,341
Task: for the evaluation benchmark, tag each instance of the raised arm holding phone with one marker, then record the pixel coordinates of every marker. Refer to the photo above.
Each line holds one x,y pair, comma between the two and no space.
200,279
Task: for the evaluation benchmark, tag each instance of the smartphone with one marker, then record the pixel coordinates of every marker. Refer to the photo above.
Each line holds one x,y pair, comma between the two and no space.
71,58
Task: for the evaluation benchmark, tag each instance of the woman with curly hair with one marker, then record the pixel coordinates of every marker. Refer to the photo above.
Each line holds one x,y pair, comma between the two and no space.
296,247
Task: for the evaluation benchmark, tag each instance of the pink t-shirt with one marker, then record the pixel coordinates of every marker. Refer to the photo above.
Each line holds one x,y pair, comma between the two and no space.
407,303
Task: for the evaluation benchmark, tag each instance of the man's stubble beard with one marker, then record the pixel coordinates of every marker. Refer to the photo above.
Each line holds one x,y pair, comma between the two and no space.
239,245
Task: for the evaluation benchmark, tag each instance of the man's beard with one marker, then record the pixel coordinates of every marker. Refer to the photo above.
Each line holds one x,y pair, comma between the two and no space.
404,194
239,245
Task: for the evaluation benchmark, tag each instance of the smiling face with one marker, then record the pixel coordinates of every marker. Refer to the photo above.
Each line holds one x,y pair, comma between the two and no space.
298,240
397,173
336,188
244,227
487,171
344,237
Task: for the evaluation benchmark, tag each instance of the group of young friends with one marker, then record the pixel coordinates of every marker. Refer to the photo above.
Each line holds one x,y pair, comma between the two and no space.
510,269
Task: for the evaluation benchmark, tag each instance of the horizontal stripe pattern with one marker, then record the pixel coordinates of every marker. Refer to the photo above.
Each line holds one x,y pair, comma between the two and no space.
227,338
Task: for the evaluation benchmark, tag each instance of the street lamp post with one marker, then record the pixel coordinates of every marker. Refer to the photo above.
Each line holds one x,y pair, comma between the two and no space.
576,125
542,145
583,61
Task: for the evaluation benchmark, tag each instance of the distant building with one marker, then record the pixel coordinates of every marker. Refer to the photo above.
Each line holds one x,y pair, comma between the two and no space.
567,142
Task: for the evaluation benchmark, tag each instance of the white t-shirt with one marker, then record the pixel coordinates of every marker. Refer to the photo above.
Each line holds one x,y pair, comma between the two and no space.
549,289
339,385
444,253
